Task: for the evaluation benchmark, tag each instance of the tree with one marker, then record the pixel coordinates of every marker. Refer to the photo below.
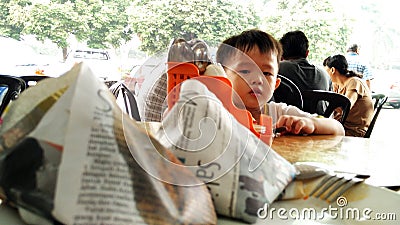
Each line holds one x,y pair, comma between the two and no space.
326,30
101,24
52,21
108,24
158,22
7,28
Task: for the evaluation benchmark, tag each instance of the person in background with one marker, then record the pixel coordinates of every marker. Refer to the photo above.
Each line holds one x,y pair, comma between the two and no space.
350,84
357,64
294,65
251,62
154,105
153,100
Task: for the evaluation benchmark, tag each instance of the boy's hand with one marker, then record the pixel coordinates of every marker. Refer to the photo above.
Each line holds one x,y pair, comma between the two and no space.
296,125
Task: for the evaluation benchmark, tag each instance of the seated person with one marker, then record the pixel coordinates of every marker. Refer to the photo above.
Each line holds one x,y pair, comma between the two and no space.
251,62
294,65
152,98
358,65
350,84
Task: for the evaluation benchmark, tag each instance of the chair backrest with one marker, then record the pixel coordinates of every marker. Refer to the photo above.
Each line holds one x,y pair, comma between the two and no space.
380,100
129,99
10,88
109,83
377,98
333,100
32,80
288,92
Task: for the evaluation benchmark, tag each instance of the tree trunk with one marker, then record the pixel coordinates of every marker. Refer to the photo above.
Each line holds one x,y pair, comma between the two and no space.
65,53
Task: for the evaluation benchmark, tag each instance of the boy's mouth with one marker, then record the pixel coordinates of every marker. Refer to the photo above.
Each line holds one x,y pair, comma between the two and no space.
256,92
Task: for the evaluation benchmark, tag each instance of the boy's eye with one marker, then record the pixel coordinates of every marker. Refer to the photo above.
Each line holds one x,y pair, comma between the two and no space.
244,71
267,74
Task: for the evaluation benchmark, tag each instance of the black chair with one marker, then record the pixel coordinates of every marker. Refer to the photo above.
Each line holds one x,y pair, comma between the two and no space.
10,88
333,100
109,83
130,103
380,100
32,80
288,92
376,98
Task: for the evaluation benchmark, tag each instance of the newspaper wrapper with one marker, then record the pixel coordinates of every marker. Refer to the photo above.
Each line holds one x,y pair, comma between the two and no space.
242,172
68,154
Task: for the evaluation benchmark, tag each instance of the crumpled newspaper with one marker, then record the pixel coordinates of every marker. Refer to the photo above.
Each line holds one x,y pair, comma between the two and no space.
68,154
241,171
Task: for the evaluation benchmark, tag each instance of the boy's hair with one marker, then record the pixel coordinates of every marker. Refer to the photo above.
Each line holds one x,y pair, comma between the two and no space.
294,45
245,42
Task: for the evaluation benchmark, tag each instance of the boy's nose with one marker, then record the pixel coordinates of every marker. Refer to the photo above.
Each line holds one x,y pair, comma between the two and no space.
257,79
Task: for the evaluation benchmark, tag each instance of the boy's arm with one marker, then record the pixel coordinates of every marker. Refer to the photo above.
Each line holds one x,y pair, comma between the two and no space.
313,125
327,126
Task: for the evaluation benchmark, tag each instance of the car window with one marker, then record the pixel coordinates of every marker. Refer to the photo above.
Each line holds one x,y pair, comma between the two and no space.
91,55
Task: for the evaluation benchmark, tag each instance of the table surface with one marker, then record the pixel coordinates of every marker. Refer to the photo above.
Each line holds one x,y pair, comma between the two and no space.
378,158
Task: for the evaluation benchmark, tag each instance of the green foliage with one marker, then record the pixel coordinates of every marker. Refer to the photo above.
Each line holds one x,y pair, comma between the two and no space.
326,30
107,23
111,23
100,23
8,29
158,22
55,22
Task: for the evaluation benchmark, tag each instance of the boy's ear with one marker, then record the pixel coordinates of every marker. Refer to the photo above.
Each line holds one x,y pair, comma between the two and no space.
277,83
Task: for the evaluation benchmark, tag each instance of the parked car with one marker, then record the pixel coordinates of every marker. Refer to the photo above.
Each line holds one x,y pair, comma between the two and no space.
99,60
17,58
394,95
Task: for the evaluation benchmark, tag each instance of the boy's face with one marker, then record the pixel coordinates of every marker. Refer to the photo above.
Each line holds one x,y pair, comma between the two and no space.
253,76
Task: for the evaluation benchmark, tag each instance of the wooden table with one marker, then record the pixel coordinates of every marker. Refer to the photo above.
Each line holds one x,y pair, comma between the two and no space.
378,158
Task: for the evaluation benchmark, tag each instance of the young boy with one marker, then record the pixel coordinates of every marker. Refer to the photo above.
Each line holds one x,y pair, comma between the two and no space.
251,61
